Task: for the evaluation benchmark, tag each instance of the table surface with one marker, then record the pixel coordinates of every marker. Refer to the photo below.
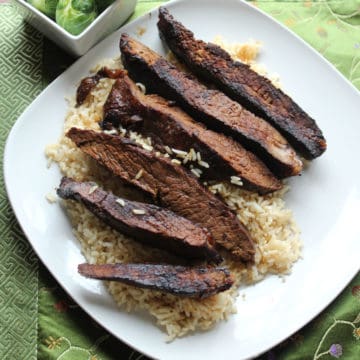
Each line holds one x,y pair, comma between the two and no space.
37,319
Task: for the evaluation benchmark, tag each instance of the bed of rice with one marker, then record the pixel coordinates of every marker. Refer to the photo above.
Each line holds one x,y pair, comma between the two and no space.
270,223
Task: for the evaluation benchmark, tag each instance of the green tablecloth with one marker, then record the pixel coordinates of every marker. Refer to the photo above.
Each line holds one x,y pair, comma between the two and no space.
37,319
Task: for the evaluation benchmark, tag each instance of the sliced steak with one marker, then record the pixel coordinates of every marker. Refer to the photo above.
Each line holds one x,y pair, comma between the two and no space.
89,83
244,85
168,125
194,282
170,184
146,223
211,107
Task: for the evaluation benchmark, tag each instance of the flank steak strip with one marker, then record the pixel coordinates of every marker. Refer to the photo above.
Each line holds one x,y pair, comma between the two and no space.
244,85
168,125
146,223
212,107
171,185
194,282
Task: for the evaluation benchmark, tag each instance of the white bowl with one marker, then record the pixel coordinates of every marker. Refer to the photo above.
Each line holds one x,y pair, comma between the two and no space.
108,21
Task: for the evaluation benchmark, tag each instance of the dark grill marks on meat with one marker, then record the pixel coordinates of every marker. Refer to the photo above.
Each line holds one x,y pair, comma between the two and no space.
171,185
156,227
212,107
168,125
244,85
89,83
194,282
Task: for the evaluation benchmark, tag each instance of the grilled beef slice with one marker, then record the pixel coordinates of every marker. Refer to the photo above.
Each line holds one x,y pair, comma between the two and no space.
211,107
170,184
88,84
195,282
156,227
244,85
166,124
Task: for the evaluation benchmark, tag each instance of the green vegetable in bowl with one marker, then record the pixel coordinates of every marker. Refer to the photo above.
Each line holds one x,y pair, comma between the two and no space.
48,7
75,15
103,4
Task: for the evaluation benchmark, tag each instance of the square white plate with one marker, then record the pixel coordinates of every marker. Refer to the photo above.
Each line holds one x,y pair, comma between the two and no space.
325,200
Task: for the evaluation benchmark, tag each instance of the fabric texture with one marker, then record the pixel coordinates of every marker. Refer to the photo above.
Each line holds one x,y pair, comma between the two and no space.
20,83
37,318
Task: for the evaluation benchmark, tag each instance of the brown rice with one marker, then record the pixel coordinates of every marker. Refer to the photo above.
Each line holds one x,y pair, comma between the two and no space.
270,223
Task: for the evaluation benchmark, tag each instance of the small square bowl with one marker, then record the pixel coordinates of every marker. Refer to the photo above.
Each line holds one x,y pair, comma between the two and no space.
108,21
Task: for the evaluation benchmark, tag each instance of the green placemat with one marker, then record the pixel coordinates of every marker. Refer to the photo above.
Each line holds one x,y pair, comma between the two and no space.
20,83
41,321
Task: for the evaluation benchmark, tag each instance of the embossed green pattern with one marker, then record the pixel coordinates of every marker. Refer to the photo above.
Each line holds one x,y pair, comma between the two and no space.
331,26
65,332
20,83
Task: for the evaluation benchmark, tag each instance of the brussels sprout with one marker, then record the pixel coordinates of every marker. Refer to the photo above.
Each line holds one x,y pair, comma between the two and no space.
103,4
75,15
48,7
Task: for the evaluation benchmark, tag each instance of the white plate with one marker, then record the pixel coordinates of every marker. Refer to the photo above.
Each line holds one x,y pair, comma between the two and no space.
326,199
